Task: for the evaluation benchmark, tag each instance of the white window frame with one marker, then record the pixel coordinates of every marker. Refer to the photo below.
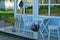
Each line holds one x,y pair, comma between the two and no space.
15,7
48,4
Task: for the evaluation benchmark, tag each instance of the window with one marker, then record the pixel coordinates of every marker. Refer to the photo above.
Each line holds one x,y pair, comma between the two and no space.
28,1
43,1
6,0
55,10
46,7
11,0
43,10
28,10
27,7
19,10
55,1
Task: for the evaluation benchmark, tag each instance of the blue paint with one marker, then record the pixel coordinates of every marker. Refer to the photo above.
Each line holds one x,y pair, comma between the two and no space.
53,21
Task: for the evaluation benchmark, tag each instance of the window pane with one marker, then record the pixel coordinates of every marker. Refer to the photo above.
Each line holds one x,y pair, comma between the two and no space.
43,1
55,10
29,10
11,1
55,1
28,1
19,10
43,10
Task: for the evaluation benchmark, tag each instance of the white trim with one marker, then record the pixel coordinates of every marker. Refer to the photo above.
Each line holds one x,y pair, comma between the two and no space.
42,4
54,4
49,5
28,4
49,16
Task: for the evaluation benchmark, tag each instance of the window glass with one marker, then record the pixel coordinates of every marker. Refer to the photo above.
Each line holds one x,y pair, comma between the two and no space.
55,1
11,0
6,0
43,10
28,1
55,10
28,10
43,1
19,9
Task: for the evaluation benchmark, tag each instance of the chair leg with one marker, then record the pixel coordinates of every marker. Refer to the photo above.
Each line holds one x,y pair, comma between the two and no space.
49,35
58,34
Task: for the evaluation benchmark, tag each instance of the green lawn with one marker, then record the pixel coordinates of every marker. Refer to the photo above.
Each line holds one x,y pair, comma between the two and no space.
42,10
53,10
7,13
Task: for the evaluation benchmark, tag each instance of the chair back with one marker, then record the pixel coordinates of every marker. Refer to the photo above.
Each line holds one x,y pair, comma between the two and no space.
59,24
25,18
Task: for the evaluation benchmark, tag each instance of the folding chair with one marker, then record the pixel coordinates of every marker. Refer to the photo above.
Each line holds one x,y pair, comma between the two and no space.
27,24
25,20
53,29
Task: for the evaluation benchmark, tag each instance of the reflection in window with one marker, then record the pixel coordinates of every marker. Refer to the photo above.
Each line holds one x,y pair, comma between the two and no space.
55,10
55,1
28,10
43,10
28,1
19,10
11,0
43,1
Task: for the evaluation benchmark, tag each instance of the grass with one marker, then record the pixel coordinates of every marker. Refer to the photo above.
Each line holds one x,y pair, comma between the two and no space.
42,10
53,10
7,13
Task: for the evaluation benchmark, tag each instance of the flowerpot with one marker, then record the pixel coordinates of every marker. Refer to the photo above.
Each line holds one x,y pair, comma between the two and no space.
35,35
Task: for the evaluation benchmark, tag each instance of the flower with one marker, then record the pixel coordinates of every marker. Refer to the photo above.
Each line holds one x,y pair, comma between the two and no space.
35,27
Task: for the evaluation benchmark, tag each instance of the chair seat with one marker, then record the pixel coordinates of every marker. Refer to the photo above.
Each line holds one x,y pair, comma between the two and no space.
28,24
53,27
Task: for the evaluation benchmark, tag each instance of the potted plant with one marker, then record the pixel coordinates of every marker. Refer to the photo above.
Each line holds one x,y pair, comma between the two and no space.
35,29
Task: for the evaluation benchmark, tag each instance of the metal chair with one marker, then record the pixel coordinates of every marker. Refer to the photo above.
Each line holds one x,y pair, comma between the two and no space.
53,29
25,20
27,24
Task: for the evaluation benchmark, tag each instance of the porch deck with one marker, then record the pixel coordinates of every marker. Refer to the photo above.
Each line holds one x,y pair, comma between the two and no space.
25,34
22,33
